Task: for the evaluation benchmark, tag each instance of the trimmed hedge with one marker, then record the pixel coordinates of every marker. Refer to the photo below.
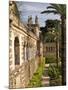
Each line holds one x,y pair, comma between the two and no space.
50,59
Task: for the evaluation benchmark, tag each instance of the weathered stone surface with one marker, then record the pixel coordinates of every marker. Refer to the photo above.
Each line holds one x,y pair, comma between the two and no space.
27,46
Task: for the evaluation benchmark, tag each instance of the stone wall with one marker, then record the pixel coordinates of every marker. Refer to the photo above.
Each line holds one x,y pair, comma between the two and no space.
21,73
20,77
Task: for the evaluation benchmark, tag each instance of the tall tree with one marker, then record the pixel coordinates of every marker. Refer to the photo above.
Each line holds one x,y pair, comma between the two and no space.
61,10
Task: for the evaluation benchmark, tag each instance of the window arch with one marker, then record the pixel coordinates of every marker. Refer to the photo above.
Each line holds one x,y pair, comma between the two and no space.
17,51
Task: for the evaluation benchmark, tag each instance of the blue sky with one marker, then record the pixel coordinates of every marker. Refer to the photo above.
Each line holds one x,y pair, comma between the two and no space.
33,9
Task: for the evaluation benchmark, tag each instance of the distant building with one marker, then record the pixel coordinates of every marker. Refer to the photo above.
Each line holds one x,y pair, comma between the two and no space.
49,49
49,44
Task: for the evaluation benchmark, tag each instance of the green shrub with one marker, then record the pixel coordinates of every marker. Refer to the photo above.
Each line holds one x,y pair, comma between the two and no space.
36,79
53,72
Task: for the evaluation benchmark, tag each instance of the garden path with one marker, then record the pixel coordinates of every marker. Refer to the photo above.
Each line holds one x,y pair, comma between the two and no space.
45,77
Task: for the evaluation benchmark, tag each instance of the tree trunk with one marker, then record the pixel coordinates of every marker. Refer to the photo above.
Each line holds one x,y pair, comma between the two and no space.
63,50
56,53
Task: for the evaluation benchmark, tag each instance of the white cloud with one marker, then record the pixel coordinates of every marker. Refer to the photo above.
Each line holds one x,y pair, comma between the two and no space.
37,7
34,9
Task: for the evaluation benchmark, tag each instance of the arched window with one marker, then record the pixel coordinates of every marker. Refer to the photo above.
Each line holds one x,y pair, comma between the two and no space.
17,51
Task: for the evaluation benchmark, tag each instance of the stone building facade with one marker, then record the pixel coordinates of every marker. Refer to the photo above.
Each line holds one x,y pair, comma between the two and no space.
49,49
25,49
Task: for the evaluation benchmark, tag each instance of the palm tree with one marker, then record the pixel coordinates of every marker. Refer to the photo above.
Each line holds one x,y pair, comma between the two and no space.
61,10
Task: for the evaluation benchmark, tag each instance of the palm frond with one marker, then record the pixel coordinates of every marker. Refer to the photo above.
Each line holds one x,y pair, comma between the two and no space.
61,8
49,11
57,9
50,7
